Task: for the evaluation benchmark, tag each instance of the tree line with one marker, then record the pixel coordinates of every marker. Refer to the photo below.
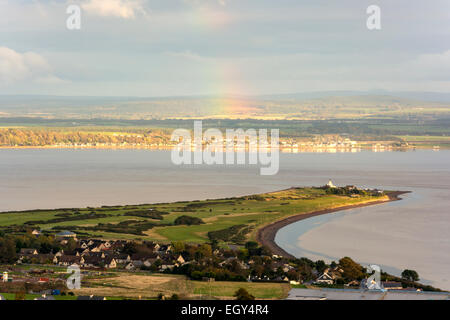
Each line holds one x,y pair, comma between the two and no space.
45,137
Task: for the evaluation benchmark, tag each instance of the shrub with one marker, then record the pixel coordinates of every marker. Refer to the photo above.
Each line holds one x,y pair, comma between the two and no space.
188,220
243,294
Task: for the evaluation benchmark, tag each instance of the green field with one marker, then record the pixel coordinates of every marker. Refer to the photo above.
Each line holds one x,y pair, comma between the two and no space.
148,286
244,215
427,141
228,288
12,296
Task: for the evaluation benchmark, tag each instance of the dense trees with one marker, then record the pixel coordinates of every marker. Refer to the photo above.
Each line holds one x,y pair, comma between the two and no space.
320,266
410,275
7,251
46,137
352,270
10,245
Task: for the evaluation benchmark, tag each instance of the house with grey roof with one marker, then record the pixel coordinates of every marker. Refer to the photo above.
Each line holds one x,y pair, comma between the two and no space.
66,235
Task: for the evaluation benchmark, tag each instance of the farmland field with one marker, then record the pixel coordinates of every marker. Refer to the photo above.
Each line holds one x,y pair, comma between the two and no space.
148,286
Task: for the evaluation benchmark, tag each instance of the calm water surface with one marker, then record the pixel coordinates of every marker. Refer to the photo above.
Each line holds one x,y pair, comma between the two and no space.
413,233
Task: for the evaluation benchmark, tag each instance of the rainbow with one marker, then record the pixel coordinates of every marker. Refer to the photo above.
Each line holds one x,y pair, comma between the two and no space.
226,77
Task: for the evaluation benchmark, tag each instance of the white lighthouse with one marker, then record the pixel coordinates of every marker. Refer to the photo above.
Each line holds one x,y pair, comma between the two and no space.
330,184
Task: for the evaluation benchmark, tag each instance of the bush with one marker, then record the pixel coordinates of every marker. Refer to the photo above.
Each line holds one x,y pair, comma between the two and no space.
19,296
152,214
243,294
188,220
236,234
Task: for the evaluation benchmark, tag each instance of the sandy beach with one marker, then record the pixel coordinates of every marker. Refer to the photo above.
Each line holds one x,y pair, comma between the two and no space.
266,235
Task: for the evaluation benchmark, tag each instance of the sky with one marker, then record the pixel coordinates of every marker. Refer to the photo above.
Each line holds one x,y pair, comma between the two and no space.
222,47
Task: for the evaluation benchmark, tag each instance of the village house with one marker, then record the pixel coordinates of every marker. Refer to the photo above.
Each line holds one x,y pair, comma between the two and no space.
100,255
72,253
110,263
280,265
137,264
165,248
180,260
29,255
95,245
28,252
156,247
121,258
59,253
354,283
92,261
134,265
66,260
99,261
231,260
81,251
102,246
325,278
83,245
166,266
66,235
282,279
391,285
147,259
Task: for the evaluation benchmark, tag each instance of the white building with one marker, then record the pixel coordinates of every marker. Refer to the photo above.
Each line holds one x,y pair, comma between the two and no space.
330,184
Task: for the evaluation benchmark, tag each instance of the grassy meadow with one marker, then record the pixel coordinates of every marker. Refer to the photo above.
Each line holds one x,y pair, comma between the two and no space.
148,286
231,220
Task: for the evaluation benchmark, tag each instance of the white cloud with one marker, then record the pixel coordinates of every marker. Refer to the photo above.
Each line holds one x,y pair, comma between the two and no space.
203,2
189,55
433,64
16,67
126,9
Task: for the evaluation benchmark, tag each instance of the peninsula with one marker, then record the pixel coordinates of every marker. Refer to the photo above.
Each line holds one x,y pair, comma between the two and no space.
229,221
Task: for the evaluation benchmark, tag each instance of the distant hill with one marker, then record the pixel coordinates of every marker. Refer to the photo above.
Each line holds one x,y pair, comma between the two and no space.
419,96
307,106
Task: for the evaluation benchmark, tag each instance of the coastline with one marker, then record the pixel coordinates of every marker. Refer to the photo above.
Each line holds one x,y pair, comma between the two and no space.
170,147
266,235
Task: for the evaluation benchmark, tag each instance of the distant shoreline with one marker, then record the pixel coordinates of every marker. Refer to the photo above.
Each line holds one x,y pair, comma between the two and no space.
266,235
282,149
90,147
